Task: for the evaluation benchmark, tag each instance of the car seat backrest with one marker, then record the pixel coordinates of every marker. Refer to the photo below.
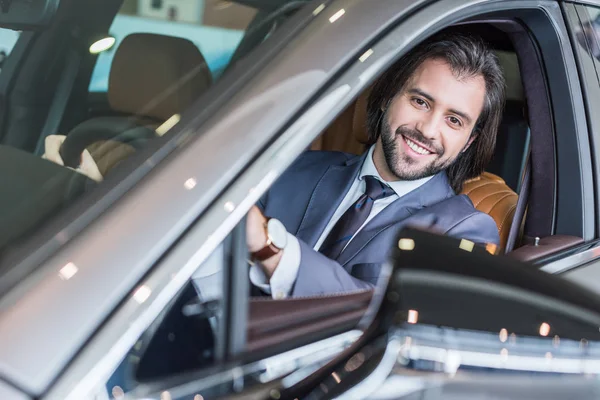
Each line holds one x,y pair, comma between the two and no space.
490,194
156,76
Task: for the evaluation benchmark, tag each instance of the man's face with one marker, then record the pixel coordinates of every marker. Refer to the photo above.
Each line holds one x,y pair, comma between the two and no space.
429,123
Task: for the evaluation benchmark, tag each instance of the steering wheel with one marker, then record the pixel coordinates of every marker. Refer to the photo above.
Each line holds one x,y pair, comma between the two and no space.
102,129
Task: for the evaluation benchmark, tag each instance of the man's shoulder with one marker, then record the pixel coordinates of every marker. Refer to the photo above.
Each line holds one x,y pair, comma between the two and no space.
460,206
317,160
461,216
311,157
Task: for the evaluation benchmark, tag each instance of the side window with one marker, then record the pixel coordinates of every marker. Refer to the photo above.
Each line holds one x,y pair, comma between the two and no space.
185,336
214,27
8,39
164,55
588,34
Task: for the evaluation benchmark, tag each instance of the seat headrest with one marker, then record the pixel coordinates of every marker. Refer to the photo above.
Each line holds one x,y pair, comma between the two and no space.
156,76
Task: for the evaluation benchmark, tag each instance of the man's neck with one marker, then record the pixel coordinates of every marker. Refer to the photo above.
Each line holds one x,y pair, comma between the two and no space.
381,164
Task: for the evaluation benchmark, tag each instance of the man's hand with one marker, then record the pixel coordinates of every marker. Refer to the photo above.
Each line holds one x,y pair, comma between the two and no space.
87,167
256,239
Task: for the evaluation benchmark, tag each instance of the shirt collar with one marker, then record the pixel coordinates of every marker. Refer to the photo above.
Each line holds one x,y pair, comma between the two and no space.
399,187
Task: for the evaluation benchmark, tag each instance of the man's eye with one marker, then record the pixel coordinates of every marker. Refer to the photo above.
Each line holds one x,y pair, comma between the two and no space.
420,102
455,121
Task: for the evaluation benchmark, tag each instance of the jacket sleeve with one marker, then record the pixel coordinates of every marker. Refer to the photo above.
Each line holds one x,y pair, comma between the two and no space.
479,228
319,275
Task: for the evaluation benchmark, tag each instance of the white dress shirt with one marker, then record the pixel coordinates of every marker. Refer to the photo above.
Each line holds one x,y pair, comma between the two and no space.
285,274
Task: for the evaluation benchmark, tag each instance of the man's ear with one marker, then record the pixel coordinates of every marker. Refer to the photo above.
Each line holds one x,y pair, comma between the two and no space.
470,141
385,106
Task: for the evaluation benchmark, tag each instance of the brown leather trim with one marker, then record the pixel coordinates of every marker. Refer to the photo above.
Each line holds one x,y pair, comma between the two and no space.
271,322
545,247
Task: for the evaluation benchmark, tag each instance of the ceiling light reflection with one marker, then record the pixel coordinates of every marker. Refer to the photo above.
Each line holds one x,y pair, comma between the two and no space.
336,377
355,361
491,248
466,245
504,354
142,294
556,341
68,271
406,244
544,329
317,10
190,184
365,55
117,392
168,124
413,316
229,206
102,45
165,396
337,15
503,335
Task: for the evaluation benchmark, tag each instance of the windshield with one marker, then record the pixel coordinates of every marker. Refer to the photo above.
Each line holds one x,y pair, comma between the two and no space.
104,81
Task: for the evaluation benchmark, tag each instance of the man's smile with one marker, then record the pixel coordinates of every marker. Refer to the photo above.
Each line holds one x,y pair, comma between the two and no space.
416,147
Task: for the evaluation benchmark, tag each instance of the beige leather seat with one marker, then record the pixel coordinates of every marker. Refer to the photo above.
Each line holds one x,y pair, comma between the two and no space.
491,195
488,192
156,76
152,78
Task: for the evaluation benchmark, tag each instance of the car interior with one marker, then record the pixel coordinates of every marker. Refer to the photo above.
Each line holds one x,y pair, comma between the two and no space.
496,192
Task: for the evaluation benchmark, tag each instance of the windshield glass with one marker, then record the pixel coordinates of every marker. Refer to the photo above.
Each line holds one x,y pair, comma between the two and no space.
105,80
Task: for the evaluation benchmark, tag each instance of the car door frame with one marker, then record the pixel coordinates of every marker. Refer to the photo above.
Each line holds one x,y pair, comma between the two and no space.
286,145
582,263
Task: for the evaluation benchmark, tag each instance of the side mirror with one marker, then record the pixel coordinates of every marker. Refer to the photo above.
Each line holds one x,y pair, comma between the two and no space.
27,14
451,283
449,305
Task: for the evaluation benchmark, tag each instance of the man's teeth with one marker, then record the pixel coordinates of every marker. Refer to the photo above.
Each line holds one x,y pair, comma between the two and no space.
417,148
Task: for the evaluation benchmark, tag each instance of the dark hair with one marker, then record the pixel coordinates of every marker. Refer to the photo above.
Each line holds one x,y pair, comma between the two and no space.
467,56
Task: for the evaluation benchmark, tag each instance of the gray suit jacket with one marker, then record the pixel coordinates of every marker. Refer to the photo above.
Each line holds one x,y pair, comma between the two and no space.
306,196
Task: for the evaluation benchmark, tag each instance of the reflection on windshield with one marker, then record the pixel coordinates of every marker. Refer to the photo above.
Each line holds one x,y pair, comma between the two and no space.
148,64
588,36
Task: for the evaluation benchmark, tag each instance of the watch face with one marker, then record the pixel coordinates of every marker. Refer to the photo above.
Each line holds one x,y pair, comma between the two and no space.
277,233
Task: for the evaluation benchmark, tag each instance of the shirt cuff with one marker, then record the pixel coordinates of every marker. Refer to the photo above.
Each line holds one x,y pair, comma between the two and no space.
285,275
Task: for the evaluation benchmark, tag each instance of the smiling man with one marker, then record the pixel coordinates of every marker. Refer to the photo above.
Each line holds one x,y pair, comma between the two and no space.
328,224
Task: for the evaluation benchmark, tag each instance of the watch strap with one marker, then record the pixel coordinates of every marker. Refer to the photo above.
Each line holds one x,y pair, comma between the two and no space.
265,253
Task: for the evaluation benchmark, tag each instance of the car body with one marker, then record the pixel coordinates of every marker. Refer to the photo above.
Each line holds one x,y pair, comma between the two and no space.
85,286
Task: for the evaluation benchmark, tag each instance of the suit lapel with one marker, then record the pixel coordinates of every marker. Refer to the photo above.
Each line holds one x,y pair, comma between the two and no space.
432,192
326,197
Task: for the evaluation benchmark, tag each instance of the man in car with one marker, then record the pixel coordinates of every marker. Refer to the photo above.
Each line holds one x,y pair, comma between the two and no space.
328,224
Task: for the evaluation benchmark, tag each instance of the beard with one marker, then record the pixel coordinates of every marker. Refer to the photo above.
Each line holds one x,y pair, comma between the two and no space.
402,165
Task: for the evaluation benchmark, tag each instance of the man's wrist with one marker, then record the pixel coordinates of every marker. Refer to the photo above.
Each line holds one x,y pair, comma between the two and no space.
270,264
275,240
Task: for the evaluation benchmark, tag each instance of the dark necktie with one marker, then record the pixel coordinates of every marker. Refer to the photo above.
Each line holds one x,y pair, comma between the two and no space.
354,217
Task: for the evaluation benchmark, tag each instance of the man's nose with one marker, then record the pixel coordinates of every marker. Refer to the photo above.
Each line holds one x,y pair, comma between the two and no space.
429,126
